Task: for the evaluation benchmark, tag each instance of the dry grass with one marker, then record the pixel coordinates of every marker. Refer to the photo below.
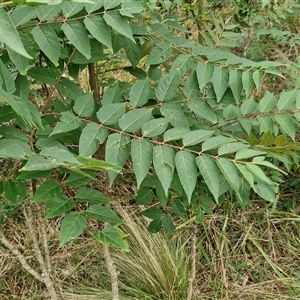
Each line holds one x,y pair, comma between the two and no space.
241,255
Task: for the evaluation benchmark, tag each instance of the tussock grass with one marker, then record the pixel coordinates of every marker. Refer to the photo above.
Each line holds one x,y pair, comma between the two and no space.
157,266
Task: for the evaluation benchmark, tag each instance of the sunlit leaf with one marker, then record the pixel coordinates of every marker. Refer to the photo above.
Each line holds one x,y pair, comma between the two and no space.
112,236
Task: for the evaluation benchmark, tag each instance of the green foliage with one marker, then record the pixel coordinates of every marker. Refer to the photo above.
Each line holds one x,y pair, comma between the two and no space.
193,119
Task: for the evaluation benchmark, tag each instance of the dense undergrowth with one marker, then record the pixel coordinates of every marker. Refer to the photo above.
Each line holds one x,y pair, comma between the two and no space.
122,119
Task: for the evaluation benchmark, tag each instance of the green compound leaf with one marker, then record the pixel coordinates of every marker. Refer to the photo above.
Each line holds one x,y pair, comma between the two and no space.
215,142
258,172
134,119
22,14
112,236
21,62
99,30
287,125
141,153
91,196
38,163
109,4
246,153
236,84
210,173
202,109
12,148
161,196
154,127
248,82
103,213
110,114
168,224
247,174
204,73
20,107
265,191
116,152
267,103
220,80
174,134
132,51
79,178
9,35
58,205
179,210
78,36
187,171
47,40
43,75
91,7
168,86
257,78
266,123
47,190
98,165
144,196
195,137
174,114
230,173
71,227
153,213
92,135
118,23
129,8
183,63
248,106
287,100
84,105
231,148
69,9
140,92
164,164
68,122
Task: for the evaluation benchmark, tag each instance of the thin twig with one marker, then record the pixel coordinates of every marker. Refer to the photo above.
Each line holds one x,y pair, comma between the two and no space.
21,258
45,273
45,240
112,270
193,263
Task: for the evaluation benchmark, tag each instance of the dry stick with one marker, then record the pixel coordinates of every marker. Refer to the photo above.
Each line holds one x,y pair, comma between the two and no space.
45,273
193,263
45,240
21,258
112,270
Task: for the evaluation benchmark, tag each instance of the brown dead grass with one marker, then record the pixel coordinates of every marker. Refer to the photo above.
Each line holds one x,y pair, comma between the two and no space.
241,255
